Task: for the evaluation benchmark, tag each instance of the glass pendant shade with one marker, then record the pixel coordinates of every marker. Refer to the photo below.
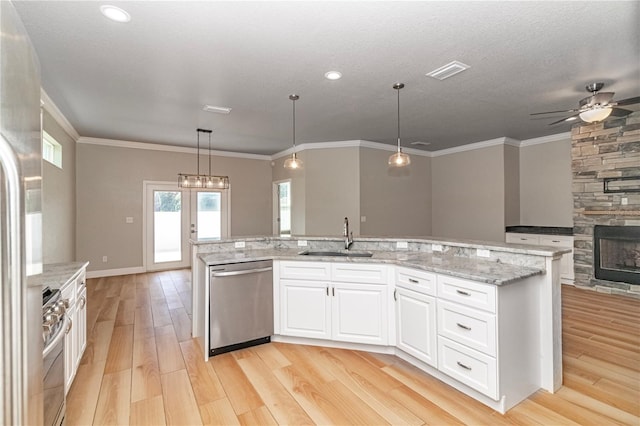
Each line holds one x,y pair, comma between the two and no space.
293,162
596,114
198,180
399,159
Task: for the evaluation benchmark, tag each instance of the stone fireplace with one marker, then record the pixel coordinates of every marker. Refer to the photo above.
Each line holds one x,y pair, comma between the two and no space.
601,153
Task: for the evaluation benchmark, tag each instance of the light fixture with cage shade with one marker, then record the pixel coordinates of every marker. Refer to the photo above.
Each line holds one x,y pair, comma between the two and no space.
399,159
293,162
202,181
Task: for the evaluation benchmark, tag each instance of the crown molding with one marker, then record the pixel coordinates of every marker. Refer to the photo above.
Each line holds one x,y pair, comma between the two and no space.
113,143
348,144
546,139
477,145
49,106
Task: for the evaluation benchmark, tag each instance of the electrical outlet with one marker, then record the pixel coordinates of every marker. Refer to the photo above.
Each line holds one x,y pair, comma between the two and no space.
104,259
363,219
239,244
436,247
302,243
624,201
128,219
402,245
483,253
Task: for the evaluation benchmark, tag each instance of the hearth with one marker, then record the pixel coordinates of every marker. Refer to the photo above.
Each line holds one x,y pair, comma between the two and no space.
616,253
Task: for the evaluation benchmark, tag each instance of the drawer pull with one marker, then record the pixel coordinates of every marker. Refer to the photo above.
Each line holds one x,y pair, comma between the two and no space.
463,366
411,280
395,294
327,291
555,241
464,327
464,293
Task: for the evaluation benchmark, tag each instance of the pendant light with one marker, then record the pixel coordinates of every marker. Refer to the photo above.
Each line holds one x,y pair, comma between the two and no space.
399,159
293,162
208,181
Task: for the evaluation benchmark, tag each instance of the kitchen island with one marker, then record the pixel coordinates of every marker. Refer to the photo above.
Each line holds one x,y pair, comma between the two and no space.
509,294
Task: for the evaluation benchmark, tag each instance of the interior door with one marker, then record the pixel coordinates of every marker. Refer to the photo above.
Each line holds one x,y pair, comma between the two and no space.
167,227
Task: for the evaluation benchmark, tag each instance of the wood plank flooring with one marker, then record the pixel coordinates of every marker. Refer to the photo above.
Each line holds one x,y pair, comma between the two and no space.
142,368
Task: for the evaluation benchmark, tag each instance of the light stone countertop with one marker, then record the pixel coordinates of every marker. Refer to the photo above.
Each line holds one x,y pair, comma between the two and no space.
480,270
56,275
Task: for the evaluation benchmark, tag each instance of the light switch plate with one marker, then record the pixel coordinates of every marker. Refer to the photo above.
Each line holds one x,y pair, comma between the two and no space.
402,245
483,253
302,243
129,219
436,247
239,244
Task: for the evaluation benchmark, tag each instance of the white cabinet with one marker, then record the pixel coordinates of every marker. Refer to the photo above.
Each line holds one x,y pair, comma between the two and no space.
75,341
342,302
416,325
563,241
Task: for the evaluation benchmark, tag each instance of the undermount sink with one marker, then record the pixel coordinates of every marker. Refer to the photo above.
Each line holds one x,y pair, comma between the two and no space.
337,253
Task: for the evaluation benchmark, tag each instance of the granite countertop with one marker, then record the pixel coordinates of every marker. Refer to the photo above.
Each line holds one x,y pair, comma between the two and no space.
56,275
480,270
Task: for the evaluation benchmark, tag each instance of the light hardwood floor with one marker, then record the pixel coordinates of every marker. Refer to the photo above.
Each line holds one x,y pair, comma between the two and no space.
142,367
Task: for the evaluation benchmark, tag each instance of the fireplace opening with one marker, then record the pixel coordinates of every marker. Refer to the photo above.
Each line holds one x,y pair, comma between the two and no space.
616,253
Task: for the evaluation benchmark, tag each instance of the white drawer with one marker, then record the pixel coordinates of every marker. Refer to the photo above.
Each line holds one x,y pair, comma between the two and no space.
316,271
358,273
469,293
515,238
474,369
68,291
420,281
556,241
470,327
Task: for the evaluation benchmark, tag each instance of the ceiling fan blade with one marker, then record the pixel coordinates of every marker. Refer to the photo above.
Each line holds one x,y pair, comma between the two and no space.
554,112
620,112
564,119
629,101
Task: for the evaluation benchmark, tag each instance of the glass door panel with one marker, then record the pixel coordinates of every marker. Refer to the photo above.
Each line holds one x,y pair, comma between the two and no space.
167,226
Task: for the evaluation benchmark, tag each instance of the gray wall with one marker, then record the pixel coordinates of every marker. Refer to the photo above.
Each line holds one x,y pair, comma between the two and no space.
59,198
511,185
110,188
546,197
395,202
468,198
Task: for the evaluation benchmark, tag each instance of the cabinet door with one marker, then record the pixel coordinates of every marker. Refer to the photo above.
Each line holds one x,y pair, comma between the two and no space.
305,309
81,325
416,325
69,348
359,313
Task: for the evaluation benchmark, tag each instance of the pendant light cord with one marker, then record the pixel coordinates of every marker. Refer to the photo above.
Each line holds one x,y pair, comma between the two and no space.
198,152
209,155
294,126
398,90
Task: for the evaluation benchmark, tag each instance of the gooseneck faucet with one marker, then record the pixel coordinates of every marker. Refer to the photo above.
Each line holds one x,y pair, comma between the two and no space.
348,237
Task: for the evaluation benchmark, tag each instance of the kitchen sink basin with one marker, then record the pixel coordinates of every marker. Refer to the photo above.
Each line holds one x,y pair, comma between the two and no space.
337,253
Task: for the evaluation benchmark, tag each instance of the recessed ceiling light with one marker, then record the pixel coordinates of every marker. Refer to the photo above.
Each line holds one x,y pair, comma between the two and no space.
333,75
217,109
449,70
115,13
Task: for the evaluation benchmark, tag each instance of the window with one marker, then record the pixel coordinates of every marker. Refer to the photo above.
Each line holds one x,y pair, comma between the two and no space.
51,150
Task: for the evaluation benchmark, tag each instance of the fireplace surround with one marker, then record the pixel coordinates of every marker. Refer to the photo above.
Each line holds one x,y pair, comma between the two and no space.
616,253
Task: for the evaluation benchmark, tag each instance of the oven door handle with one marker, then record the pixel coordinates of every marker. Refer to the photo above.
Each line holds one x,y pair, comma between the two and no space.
57,339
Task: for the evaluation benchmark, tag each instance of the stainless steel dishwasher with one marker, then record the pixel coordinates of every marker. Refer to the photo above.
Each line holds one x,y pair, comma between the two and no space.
241,305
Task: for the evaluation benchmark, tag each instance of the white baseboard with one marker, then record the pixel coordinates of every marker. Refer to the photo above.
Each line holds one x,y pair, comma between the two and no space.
116,272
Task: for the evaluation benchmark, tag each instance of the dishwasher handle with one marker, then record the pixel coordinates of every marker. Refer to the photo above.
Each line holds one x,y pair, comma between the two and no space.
241,272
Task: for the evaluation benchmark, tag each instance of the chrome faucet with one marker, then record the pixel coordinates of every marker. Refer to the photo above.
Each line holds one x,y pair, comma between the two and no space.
348,237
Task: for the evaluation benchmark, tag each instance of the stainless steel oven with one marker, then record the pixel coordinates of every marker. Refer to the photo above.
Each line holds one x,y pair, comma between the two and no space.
54,328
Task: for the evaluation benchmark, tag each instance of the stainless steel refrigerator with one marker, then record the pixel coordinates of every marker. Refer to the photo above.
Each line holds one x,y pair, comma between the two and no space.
21,362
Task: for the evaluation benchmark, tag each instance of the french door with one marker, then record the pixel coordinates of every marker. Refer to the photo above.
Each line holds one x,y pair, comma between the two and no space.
174,216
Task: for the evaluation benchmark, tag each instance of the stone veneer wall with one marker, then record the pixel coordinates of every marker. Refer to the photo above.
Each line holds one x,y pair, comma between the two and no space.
600,150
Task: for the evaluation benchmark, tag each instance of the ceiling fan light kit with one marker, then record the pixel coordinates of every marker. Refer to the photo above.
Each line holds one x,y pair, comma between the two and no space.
293,162
399,159
202,181
595,114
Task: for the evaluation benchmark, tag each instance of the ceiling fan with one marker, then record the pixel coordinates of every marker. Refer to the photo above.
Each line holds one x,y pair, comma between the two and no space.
596,107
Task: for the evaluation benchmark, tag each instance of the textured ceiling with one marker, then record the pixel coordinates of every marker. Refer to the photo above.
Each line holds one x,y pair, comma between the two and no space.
148,80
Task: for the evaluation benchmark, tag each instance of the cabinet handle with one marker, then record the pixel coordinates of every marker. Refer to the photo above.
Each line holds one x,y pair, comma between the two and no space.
555,241
333,291
327,291
69,326
464,293
395,294
463,366
464,327
84,302
411,280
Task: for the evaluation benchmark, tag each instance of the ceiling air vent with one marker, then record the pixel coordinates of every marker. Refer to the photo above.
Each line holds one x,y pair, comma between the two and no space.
420,143
216,109
448,70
